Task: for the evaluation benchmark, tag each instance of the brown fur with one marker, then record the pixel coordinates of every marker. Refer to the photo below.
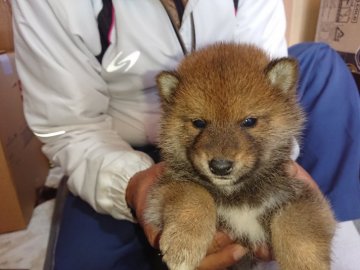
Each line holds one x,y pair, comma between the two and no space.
242,167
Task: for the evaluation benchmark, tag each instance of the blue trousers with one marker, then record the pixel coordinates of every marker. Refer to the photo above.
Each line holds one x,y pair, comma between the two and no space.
330,153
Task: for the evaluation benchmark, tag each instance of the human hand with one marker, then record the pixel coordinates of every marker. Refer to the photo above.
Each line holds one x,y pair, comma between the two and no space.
136,193
294,170
222,253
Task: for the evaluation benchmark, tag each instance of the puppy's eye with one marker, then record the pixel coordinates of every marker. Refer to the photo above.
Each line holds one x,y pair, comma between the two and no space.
249,122
199,123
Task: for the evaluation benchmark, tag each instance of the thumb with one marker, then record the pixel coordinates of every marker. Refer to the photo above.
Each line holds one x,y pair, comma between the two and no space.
294,170
224,258
152,235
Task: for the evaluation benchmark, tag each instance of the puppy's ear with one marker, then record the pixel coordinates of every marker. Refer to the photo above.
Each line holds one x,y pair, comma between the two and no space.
283,74
167,82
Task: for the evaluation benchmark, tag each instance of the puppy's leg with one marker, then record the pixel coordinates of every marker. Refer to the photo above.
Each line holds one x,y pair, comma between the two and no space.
302,234
186,214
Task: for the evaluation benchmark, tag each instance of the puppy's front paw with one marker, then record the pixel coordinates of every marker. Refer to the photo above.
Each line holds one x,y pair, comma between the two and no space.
186,214
181,249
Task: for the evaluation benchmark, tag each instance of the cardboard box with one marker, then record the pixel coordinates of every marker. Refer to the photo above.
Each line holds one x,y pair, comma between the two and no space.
23,167
6,31
339,26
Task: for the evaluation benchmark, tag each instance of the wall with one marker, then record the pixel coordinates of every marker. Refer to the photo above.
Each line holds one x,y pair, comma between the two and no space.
302,16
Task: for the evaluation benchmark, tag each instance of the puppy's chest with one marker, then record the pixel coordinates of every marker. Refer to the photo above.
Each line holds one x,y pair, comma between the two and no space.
245,223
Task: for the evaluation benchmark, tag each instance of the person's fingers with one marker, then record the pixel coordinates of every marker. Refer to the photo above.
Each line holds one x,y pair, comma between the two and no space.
136,194
220,240
140,183
294,170
263,253
159,168
224,258
152,234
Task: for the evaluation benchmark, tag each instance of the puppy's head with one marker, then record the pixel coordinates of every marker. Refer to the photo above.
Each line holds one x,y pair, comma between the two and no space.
229,111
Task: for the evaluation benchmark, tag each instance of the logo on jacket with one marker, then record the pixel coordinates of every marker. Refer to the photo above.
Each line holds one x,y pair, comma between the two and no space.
126,62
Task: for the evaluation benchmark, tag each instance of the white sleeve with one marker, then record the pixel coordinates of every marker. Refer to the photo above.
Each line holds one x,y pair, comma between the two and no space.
263,23
66,102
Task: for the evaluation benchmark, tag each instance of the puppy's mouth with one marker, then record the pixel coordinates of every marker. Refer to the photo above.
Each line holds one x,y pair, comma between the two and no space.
222,181
220,172
216,180
227,180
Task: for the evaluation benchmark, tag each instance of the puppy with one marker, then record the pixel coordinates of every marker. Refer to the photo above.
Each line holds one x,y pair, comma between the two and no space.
230,119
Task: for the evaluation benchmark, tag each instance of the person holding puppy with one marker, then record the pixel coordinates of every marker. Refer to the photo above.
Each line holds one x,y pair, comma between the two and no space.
88,72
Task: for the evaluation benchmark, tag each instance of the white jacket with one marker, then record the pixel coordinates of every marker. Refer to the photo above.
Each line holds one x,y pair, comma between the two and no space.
88,114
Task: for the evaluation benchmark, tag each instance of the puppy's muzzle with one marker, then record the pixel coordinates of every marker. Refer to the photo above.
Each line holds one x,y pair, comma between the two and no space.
221,167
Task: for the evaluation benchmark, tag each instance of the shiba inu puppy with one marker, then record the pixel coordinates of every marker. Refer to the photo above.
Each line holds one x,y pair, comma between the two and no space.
229,123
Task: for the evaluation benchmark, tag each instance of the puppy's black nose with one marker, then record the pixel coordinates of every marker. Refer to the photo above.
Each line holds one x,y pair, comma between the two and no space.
220,166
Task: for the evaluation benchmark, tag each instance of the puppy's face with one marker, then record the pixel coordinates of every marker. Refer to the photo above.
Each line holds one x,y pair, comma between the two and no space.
228,112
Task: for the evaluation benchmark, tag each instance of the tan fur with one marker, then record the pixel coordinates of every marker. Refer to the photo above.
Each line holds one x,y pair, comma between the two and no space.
224,172
295,229
178,216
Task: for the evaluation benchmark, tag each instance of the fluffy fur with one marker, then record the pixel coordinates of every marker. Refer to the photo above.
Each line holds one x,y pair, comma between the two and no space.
230,118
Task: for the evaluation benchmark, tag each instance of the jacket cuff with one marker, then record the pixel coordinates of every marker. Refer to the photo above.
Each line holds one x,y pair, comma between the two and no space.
112,182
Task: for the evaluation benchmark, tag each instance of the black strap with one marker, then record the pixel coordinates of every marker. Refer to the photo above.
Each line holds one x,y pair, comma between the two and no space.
180,8
104,23
62,193
236,4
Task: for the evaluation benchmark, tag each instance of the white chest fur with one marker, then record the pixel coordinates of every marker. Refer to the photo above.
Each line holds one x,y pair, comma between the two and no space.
244,221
